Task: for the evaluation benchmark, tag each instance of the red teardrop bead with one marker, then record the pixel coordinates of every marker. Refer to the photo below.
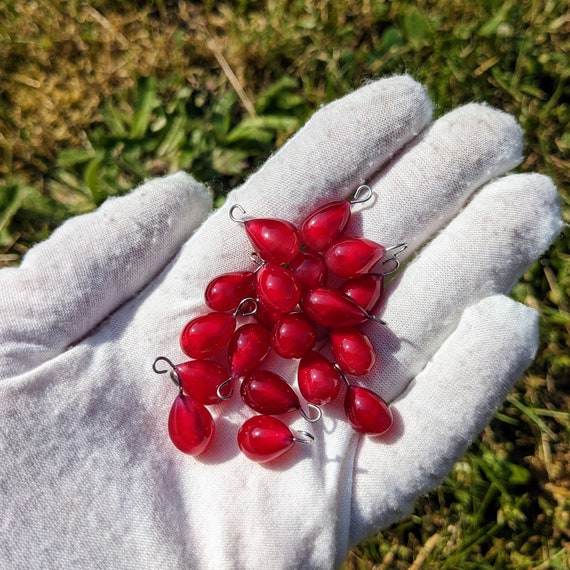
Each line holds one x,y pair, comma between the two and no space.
293,335
366,411
351,257
276,241
225,292
190,425
366,290
277,289
319,381
309,269
265,316
323,226
267,393
200,379
352,350
263,438
330,308
207,334
248,346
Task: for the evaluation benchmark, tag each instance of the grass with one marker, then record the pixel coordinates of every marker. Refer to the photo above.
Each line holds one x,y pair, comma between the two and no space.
97,95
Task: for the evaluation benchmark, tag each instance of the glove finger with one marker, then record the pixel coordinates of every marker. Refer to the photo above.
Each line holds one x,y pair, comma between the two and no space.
91,265
482,252
442,411
341,146
425,187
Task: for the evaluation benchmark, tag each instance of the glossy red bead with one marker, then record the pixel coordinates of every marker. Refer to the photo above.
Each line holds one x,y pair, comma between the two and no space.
365,290
248,346
276,241
190,425
366,411
351,257
326,224
225,292
265,316
309,269
267,393
277,289
319,381
293,335
330,308
207,334
263,438
352,350
200,379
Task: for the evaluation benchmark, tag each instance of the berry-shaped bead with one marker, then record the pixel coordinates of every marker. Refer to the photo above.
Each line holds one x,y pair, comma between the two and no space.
325,225
365,290
266,316
264,438
309,269
320,228
248,346
351,257
200,379
319,381
366,411
330,308
225,292
293,335
267,393
277,289
190,425
352,350
205,335
276,241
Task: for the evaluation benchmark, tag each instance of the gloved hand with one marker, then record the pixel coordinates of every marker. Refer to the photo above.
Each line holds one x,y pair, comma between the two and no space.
88,475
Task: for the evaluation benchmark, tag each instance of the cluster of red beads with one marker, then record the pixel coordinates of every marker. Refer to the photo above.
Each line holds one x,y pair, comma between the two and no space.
291,306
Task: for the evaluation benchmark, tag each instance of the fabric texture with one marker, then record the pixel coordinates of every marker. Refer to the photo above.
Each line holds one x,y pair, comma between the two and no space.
88,476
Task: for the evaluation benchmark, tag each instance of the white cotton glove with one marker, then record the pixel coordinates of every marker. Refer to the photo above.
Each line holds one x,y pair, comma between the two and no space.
88,475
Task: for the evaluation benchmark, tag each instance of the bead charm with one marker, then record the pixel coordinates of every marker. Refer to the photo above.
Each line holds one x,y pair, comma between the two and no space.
264,438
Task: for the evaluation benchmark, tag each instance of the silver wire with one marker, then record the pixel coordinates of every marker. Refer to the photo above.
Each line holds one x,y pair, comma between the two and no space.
309,418
362,194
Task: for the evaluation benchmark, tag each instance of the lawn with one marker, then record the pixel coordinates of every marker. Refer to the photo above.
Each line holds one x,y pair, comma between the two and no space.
97,95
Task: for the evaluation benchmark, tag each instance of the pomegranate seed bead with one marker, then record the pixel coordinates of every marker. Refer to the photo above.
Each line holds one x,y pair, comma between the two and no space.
352,350
190,425
309,269
351,257
319,381
366,411
225,292
277,289
200,379
267,393
265,316
326,224
248,346
330,308
264,438
205,335
276,241
293,335
366,290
